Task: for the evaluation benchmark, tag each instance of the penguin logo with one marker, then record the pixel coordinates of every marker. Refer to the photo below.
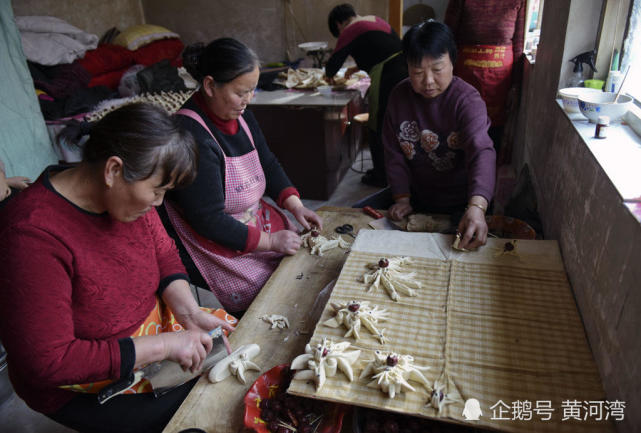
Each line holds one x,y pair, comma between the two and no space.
472,410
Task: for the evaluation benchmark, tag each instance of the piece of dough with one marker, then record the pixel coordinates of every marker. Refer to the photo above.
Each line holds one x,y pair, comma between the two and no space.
428,223
391,372
389,274
323,360
444,393
235,364
318,244
509,249
353,314
276,320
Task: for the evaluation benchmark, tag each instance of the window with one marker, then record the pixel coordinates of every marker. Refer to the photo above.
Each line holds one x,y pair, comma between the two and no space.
632,53
533,19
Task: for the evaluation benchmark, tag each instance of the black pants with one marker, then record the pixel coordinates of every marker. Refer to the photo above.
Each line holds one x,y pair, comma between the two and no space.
376,151
134,413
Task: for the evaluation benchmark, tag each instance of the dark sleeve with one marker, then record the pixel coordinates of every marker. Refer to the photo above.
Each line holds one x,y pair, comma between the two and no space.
203,202
517,46
127,356
453,15
519,32
276,178
480,156
336,61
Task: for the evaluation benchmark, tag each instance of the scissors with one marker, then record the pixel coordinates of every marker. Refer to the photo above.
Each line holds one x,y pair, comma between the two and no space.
345,229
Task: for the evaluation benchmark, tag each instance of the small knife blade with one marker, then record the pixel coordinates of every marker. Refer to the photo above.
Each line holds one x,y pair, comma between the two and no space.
167,375
171,374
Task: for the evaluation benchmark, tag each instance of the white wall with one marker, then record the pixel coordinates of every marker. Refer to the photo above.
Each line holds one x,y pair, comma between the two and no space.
92,16
584,24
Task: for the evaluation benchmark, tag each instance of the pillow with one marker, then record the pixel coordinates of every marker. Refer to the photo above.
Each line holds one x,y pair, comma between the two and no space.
159,50
106,58
140,35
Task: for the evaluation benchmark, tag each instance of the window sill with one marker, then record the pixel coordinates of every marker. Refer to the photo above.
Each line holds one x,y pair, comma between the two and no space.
619,155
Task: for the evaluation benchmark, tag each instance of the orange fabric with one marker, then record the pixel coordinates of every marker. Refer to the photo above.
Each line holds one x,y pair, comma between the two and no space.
161,319
489,69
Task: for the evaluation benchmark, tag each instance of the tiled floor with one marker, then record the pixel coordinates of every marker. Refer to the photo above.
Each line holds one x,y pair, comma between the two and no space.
16,417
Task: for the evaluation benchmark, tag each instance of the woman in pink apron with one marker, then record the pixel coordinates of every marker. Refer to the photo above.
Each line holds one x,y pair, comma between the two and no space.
234,238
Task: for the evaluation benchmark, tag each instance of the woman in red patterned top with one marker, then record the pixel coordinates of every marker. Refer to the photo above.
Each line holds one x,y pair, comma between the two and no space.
85,258
489,35
376,49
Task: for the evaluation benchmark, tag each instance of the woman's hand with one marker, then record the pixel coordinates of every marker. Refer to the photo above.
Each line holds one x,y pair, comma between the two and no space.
307,217
304,216
5,190
189,348
202,321
351,71
400,209
284,241
19,182
473,227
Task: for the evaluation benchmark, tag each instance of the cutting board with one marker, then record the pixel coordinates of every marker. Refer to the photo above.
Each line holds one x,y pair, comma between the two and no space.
292,291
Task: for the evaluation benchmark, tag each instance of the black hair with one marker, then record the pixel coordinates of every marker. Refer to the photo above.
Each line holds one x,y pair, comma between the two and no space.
339,14
428,39
146,138
223,59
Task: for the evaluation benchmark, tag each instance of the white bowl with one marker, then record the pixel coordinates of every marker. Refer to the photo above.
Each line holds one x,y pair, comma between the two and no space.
312,46
601,104
570,95
324,90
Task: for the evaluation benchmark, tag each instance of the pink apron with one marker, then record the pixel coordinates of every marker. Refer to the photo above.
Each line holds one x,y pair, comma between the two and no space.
235,278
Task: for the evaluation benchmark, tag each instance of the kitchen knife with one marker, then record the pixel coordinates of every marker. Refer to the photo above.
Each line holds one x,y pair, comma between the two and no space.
167,375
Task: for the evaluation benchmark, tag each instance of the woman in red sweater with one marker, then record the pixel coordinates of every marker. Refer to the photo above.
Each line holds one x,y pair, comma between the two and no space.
85,258
489,35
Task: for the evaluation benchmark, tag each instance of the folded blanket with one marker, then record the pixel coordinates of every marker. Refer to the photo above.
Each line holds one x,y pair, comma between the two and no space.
52,41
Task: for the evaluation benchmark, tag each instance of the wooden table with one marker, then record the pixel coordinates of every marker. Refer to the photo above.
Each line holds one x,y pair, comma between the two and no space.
219,408
312,135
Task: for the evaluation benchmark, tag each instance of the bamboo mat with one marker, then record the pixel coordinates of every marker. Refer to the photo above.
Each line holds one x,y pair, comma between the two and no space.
501,329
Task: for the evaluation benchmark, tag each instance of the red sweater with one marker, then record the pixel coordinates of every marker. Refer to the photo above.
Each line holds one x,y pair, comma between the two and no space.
488,22
72,284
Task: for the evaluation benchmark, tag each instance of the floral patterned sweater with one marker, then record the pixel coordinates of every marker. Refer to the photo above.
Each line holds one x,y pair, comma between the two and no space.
437,150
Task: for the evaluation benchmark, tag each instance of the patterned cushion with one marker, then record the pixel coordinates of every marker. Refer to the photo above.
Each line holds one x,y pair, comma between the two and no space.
140,35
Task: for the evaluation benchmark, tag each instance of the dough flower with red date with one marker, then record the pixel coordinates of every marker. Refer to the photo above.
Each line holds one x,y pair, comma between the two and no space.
322,360
390,274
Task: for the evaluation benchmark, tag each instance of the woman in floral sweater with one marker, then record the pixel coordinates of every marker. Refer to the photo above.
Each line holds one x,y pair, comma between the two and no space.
439,157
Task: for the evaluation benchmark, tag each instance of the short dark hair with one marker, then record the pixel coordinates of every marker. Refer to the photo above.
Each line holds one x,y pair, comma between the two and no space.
148,140
223,59
339,14
428,39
